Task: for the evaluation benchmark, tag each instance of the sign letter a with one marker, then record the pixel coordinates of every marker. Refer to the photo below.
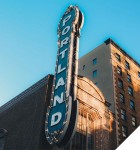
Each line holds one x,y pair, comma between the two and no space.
60,83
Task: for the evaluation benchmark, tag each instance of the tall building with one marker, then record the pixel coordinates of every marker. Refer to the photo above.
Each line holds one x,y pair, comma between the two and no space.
117,75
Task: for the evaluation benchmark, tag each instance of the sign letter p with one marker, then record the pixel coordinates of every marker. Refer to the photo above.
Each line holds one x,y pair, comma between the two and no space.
66,19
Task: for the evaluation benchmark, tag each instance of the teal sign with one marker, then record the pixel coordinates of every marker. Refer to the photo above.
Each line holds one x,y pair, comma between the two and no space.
62,113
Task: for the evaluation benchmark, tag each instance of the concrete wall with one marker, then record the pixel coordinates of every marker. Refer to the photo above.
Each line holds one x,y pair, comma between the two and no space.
104,77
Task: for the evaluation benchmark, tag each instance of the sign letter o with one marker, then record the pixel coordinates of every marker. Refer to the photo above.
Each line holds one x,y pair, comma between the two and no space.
65,30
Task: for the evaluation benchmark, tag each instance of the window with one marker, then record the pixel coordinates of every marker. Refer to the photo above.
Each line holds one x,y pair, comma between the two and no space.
95,61
119,70
120,83
133,119
118,57
94,73
132,105
130,91
84,67
124,131
138,74
128,78
121,97
127,66
123,114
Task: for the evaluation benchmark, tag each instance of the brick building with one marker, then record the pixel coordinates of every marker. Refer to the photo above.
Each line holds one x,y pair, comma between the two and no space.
117,75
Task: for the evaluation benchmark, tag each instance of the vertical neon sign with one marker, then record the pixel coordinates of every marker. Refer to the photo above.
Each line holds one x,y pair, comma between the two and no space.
62,113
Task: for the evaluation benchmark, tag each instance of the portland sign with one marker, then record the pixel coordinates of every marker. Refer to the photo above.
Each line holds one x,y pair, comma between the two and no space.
61,116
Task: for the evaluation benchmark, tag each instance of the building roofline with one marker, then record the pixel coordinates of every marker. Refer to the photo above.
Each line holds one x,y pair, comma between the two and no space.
110,41
25,93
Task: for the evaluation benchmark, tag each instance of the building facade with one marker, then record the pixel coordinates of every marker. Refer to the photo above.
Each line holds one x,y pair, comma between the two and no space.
22,120
117,75
95,124
108,91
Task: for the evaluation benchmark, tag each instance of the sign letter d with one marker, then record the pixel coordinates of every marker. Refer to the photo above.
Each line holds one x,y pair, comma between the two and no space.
56,118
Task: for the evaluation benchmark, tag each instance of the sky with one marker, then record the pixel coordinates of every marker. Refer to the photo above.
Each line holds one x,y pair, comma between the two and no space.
28,36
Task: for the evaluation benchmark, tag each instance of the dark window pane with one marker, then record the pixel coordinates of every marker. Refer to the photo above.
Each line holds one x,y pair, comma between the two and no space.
138,74
133,121
124,131
127,66
119,71
94,73
130,91
118,57
123,114
94,61
132,105
122,98
120,83
128,78
84,67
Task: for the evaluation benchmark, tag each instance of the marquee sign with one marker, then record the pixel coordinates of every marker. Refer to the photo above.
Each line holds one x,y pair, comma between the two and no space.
62,113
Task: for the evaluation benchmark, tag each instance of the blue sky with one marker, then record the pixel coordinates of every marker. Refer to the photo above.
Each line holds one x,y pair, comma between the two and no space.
28,36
